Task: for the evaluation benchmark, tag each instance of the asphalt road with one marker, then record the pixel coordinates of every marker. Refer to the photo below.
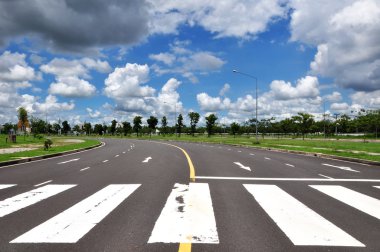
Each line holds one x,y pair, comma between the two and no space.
132,195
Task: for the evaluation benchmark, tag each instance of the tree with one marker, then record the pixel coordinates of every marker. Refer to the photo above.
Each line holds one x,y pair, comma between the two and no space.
56,128
126,128
194,119
7,127
210,123
38,125
152,123
113,126
137,124
304,121
179,124
234,128
164,124
98,129
65,127
105,129
87,128
23,119
76,128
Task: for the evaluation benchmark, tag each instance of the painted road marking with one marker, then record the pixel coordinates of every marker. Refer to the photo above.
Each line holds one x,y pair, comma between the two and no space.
46,182
68,161
105,161
352,198
346,168
6,186
73,223
84,169
267,158
239,150
286,179
242,166
300,224
146,160
26,199
377,187
251,154
325,176
116,155
123,152
289,165
188,216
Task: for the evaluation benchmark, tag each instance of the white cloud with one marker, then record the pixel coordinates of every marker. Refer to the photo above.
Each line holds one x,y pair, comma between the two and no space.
231,18
15,70
52,105
93,113
72,87
346,36
225,89
126,82
367,99
306,87
211,104
70,76
339,106
166,58
334,97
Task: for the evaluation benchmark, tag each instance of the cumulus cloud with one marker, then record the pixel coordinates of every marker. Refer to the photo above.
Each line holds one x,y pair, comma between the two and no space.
186,62
211,104
367,99
51,105
70,76
225,89
93,113
339,106
306,87
334,97
346,36
231,19
75,26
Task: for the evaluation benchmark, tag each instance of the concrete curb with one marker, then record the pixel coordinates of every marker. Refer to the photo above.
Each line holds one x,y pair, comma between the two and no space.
26,160
312,154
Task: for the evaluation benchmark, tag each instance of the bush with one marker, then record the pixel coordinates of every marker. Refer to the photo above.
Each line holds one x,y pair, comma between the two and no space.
47,144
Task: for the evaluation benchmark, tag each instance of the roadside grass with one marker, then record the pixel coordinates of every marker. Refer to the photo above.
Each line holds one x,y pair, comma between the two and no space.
60,144
343,147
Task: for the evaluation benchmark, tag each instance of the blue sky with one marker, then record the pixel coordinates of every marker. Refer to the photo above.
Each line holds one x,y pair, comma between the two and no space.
98,61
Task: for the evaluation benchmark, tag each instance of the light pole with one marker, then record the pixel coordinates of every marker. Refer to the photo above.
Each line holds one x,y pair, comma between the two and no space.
253,77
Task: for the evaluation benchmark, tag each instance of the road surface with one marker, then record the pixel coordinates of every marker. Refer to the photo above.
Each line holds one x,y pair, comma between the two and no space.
132,195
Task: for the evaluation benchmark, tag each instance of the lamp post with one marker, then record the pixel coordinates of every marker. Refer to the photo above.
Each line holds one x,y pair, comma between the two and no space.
253,77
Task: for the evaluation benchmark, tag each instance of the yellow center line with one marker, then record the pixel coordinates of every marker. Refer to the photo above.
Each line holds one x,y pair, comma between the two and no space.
191,166
185,247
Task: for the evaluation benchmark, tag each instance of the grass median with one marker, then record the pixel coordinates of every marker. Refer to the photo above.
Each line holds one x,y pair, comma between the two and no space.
352,148
31,146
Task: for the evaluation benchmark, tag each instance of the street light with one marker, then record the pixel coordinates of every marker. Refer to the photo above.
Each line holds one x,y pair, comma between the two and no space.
253,77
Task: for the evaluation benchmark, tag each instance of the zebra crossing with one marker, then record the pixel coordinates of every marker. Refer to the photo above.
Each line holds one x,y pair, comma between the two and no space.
188,214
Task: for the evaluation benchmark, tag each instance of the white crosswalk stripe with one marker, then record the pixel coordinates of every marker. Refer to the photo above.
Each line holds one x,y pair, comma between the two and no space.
377,187
301,225
352,198
34,196
6,186
73,223
188,216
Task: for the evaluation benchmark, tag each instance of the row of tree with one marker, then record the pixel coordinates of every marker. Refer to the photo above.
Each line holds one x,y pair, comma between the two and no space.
300,124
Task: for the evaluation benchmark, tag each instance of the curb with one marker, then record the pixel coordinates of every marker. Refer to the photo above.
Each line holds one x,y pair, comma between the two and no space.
310,154
26,160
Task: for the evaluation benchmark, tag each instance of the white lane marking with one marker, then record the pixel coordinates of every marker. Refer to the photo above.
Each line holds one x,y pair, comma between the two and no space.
123,152
6,186
289,165
267,158
64,155
188,216
242,166
46,182
73,223
285,179
26,199
346,168
251,154
116,155
105,161
146,160
68,161
239,150
352,198
84,169
300,224
325,176
377,187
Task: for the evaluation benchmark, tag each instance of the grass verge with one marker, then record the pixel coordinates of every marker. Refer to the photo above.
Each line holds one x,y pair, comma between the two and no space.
60,144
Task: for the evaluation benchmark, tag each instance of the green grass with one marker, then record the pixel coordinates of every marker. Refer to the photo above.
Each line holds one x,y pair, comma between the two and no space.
344,148
58,146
